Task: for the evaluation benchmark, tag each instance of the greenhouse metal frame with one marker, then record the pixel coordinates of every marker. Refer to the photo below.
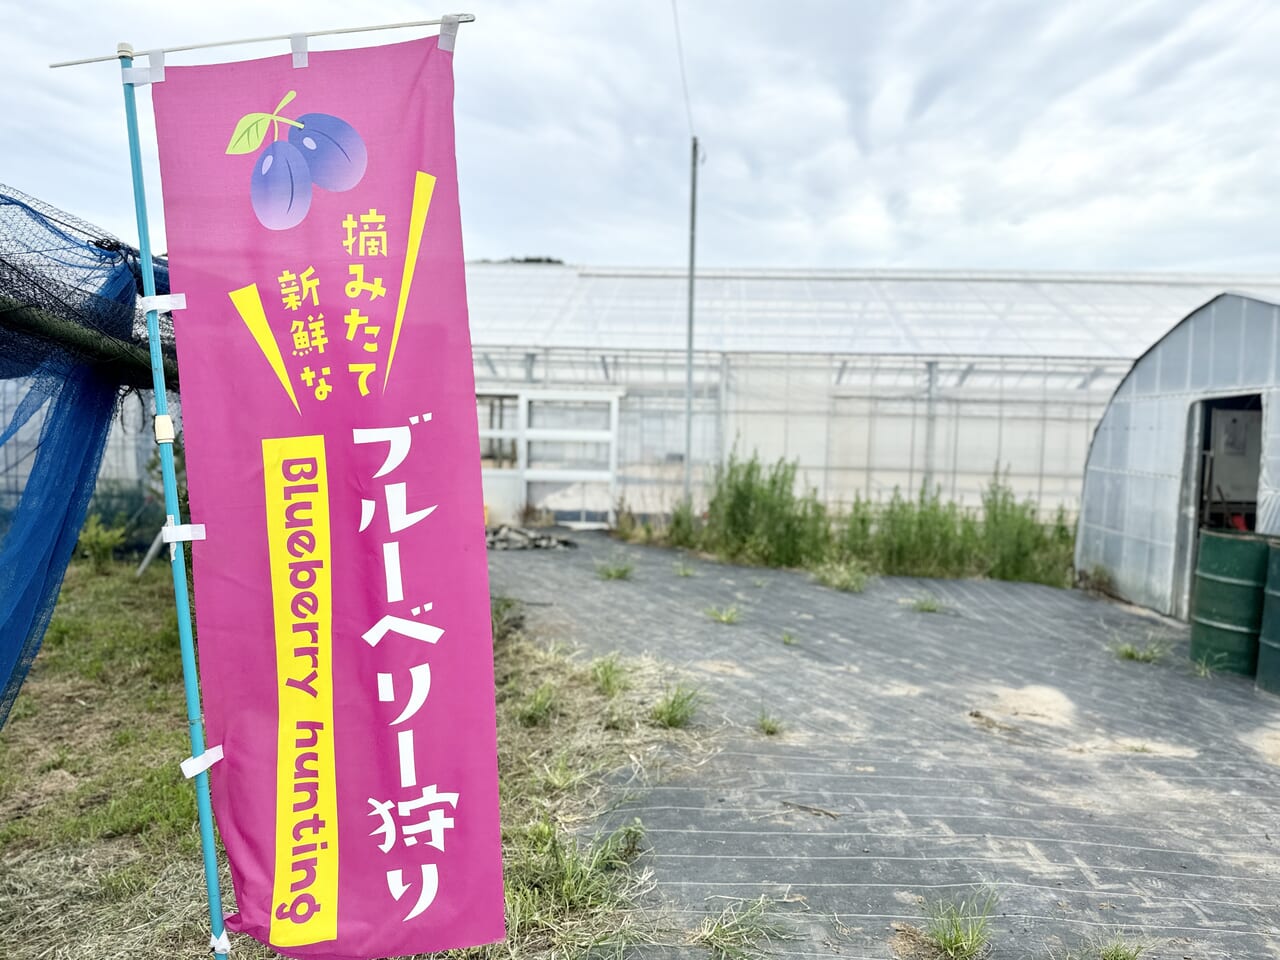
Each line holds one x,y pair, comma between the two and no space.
871,381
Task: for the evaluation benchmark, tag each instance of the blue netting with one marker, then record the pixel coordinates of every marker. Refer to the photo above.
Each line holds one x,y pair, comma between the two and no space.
69,340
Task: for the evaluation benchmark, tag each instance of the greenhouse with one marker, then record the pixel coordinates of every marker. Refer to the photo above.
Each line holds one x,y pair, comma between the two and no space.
870,380
1189,442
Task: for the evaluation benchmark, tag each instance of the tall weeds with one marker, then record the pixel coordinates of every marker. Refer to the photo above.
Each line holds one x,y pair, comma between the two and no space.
755,516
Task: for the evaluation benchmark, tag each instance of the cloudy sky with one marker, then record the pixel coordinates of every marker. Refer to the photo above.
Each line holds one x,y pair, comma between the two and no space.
1090,134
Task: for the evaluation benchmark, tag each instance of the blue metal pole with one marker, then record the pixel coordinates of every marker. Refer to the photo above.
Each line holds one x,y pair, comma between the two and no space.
178,561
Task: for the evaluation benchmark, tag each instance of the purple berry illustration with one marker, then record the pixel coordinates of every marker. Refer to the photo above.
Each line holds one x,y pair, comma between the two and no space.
281,187
321,151
335,153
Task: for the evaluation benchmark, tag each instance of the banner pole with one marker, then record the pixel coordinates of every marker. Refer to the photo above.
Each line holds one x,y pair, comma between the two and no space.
178,564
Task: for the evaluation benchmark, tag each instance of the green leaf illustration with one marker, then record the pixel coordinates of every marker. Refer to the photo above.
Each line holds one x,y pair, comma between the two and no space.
249,133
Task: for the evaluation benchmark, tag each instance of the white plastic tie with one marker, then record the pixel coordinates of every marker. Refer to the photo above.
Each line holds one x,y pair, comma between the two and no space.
164,428
141,76
163,302
298,44
448,31
182,532
194,766
220,945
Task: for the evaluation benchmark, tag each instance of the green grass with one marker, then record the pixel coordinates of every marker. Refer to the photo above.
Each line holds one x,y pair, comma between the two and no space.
539,706
1149,653
617,570
960,929
98,544
98,826
756,515
1120,949
554,878
740,931
851,576
788,640
109,670
609,675
728,615
676,708
683,569
1207,665
926,604
682,531
506,617
1112,948
770,726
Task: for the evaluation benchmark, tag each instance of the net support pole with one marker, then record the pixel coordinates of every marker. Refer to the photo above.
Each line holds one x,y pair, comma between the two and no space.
178,562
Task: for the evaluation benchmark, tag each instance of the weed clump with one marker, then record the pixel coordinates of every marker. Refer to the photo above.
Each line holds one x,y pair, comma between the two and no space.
1119,949
851,576
728,615
683,529
98,543
960,929
609,675
676,708
1204,667
738,931
538,707
755,516
1150,653
769,725
619,570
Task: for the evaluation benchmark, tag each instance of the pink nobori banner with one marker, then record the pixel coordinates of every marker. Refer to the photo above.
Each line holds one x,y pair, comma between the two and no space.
329,418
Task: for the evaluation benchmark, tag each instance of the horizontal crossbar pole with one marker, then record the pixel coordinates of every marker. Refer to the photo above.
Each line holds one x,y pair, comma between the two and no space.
462,18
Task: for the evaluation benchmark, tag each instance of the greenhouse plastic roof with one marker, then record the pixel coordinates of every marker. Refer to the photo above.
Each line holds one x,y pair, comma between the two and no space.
1102,316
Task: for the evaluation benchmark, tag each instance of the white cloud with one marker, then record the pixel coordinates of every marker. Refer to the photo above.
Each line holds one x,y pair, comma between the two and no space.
934,133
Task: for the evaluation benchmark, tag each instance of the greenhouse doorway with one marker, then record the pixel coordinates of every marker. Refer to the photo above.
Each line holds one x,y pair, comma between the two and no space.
549,455
1220,482
1231,462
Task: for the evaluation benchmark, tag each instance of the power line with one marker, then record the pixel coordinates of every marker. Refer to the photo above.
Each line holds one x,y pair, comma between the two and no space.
684,81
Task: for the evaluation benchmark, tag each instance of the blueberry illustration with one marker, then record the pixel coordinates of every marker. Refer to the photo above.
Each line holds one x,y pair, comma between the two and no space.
281,186
335,153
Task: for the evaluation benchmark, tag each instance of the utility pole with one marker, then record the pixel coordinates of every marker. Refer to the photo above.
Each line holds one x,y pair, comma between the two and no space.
688,354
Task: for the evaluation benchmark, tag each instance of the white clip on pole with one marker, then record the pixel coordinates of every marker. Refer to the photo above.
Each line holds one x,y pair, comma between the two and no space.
221,946
449,31
175,533
140,76
298,43
163,302
194,766
182,532
164,429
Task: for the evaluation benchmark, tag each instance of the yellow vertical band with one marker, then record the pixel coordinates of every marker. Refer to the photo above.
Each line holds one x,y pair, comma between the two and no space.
304,906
